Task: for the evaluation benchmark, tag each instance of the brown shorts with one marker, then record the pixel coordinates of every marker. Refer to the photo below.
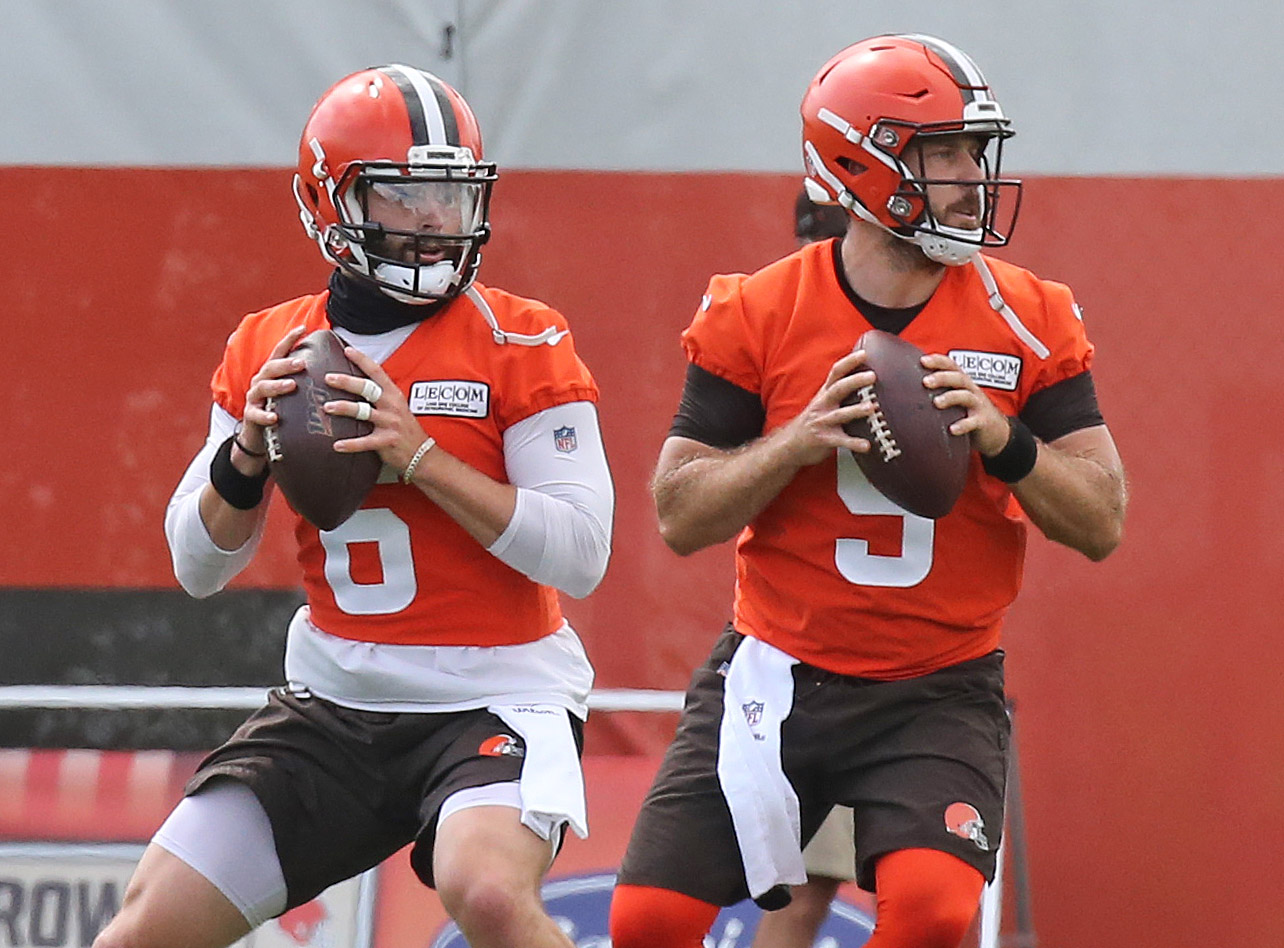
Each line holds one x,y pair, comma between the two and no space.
344,789
922,762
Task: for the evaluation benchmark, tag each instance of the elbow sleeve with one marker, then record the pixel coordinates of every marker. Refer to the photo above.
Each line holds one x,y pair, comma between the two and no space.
555,543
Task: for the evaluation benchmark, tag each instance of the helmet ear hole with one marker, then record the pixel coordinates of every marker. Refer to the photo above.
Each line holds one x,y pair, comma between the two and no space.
851,166
313,195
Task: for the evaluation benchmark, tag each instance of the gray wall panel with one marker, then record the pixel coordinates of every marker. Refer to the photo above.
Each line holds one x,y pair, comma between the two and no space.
1096,87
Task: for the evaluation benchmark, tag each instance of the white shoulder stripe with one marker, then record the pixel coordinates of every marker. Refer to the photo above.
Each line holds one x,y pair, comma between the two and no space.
1003,309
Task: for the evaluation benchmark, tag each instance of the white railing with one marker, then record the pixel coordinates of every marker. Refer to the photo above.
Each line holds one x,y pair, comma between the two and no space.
173,697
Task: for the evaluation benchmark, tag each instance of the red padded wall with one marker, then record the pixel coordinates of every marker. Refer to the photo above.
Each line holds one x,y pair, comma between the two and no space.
1148,687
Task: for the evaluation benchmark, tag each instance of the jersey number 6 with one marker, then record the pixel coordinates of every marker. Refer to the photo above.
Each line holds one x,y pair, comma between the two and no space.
380,526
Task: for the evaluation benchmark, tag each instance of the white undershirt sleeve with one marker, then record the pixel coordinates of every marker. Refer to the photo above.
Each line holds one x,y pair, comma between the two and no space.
560,534
203,568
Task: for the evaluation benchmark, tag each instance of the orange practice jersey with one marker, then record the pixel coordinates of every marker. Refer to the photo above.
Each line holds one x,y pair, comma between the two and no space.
400,571
831,572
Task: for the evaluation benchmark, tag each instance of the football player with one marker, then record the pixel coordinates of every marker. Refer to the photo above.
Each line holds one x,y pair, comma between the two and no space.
435,693
862,665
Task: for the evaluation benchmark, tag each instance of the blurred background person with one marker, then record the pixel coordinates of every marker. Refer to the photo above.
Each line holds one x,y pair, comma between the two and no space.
813,222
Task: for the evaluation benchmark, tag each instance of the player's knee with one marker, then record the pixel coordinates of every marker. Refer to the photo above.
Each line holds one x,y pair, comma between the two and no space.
108,939
924,920
647,917
941,923
926,899
482,903
119,934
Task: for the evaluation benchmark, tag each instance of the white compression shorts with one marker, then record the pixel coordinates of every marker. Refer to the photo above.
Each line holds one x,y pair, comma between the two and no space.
223,833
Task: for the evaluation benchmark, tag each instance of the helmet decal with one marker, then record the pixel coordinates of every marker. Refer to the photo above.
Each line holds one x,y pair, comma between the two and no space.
964,820
501,745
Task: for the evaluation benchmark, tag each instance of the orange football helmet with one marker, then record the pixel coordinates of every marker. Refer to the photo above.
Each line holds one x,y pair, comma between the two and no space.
865,107
391,183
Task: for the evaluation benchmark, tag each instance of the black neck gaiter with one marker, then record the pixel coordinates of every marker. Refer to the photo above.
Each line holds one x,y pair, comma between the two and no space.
363,308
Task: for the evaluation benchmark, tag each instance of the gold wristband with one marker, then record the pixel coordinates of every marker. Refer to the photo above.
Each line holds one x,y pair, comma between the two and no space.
415,458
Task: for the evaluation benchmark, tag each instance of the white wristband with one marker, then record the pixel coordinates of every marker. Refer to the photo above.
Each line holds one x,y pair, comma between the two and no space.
415,458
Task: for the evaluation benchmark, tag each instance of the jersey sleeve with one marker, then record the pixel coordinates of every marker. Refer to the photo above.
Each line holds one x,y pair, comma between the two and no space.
232,377
718,339
542,376
253,341
1070,352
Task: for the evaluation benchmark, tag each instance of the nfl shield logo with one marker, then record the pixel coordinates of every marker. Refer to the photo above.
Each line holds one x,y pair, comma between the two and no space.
564,439
753,713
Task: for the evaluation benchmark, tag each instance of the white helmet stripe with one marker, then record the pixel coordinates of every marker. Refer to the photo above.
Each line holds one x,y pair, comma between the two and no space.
429,103
817,165
965,71
845,128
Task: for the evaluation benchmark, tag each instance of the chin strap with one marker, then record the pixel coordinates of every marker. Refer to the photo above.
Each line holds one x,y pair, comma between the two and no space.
550,336
944,246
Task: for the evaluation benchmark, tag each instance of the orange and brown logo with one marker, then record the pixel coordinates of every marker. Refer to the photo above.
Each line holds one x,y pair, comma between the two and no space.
501,745
964,820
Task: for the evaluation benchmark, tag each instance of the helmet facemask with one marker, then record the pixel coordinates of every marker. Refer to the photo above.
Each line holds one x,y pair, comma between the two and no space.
415,229
993,202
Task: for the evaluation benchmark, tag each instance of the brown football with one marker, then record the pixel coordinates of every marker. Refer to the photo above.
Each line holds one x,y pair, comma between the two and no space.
324,486
913,459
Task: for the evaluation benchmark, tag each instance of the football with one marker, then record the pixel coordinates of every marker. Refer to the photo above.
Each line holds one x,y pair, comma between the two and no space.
324,486
913,459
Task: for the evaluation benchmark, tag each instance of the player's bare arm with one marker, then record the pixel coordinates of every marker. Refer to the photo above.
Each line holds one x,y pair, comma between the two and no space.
479,504
1076,493
229,527
705,495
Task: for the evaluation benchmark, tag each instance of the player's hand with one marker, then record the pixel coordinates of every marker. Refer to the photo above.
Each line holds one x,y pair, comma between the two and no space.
397,433
985,425
818,428
270,381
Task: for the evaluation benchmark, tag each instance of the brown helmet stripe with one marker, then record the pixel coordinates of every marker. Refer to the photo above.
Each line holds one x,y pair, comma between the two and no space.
967,76
432,114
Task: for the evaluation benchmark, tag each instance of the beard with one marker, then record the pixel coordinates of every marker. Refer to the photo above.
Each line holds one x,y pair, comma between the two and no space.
905,257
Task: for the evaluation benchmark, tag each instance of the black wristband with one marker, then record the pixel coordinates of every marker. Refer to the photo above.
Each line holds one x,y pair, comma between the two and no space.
1017,458
240,490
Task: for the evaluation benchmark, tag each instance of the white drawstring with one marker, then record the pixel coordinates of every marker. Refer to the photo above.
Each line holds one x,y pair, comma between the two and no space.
549,336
